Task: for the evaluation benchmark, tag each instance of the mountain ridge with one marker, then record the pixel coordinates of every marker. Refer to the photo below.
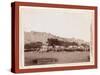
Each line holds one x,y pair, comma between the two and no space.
35,36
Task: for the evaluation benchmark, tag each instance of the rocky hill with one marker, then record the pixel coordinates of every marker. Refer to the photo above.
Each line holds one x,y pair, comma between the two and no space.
34,36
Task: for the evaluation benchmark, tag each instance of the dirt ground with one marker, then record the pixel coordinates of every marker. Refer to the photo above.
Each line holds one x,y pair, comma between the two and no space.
62,57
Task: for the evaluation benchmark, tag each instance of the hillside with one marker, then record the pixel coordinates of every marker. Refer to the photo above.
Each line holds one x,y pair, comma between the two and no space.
34,36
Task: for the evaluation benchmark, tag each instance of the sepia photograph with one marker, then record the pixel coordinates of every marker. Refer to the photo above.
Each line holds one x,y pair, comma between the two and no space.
54,36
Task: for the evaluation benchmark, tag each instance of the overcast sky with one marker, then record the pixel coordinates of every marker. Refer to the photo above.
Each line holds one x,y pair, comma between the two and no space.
67,23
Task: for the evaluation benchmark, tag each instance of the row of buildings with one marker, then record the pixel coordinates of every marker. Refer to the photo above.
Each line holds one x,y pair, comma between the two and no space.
62,48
